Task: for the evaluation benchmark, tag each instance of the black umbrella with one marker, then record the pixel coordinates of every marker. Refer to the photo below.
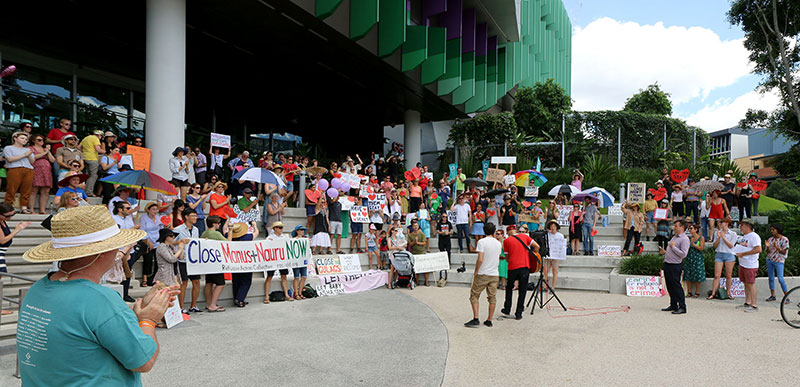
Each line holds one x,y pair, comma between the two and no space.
494,193
476,181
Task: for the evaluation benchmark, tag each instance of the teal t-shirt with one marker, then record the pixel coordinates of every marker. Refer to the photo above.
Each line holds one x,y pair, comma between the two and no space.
79,333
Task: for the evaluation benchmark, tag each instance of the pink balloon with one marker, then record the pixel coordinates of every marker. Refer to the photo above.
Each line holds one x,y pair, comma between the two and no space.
333,193
10,70
323,184
335,182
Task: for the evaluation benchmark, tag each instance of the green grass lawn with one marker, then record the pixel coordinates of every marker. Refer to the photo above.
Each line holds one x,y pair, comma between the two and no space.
766,203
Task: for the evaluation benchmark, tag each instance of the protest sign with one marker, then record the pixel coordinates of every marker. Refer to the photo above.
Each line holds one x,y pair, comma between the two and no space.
328,265
358,282
661,213
351,179
679,176
644,287
126,159
376,202
365,191
350,263
220,140
485,167
347,202
734,212
451,217
453,170
427,175
173,316
615,210
410,217
609,250
504,159
426,263
359,214
557,250
532,192
141,157
527,218
495,175
509,179
636,192
423,214
330,290
206,256
563,215
737,288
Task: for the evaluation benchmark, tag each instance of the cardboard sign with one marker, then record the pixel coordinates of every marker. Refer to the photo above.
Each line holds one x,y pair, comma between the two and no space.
207,256
644,287
615,210
737,288
350,263
495,175
661,213
504,159
173,316
532,192
426,263
679,176
636,192
347,202
365,191
220,140
563,215
509,179
329,290
527,218
359,214
609,250
352,179
141,157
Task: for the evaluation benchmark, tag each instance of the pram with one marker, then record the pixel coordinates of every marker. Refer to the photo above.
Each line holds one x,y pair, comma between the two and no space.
403,263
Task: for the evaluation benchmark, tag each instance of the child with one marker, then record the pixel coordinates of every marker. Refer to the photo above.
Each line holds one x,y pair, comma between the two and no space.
424,224
502,268
663,226
321,237
384,249
372,247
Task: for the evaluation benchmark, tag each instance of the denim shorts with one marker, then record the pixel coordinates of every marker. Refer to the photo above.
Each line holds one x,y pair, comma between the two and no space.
372,248
650,215
724,257
300,272
356,228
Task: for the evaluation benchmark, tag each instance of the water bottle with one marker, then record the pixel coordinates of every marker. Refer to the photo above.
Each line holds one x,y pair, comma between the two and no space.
290,293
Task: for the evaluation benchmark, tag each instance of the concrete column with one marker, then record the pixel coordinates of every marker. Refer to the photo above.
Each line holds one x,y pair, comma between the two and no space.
165,91
412,136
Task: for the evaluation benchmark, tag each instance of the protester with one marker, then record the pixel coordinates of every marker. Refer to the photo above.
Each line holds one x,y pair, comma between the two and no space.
241,281
691,201
553,261
219,203
485,276
728,191
704,212
201,167
417,244
459,179
246,207
590,216
649,206
335,221
150,224
299,273
516,248
179,166
749,245
67,153
215,282
57,135
744,201
176,217
662,227
676,201
19,170
123,194
777,248
635,221
6,213
91,147
68,200
277,235
372,247
109,165
694,270
275,209
723,241
94,323
463,220
188,230
121,214
42,172
71,183
478,219
322,238
195,200
209,185
674,254
575,228
167,255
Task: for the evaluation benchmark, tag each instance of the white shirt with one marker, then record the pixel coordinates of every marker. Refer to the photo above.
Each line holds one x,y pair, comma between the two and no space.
462,213
176,167
491,249
184,233
723,247
749,242
216,160
704,210
123,223
677,196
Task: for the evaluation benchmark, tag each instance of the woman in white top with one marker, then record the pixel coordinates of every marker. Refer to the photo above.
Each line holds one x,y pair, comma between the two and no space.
558,251
179,166
704,211
19,170
676,201
724,239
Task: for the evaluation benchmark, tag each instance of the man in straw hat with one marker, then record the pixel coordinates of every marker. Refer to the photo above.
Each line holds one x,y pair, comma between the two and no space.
71,329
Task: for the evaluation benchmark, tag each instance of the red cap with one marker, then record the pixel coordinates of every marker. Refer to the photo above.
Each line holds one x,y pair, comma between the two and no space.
511,227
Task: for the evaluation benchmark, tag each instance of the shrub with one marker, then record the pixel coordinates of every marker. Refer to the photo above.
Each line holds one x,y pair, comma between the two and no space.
645,264
784,190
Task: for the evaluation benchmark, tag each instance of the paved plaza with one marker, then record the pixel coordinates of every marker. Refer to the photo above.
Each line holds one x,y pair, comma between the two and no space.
417,338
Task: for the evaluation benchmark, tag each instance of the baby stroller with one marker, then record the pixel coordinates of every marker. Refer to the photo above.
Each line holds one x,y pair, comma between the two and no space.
403,263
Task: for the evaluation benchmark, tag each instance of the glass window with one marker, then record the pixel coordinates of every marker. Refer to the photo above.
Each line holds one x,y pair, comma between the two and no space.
39,96
102,107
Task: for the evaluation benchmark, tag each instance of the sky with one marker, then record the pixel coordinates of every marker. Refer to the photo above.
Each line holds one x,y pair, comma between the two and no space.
687,46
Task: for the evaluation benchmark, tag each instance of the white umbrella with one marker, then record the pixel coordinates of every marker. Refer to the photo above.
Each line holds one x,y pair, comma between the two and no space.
569,189
604,198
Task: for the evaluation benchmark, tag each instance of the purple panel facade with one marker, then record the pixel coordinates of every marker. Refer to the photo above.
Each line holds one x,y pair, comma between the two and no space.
452,19
481,33
432,8
492,43
468,31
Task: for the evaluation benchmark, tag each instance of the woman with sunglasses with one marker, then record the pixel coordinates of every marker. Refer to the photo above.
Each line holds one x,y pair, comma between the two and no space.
6,212
575,233
42,172
196,200
68,200
208,185
19,170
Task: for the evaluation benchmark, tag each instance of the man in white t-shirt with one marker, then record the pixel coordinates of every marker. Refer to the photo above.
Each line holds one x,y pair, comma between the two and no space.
747,248
463,220
486,274
186,231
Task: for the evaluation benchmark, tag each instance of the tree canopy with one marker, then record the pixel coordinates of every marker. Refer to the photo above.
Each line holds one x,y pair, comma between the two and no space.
538,110
651,100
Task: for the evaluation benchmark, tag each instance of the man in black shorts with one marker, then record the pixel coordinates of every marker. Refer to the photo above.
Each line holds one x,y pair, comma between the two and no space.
444,230
214,282
185,232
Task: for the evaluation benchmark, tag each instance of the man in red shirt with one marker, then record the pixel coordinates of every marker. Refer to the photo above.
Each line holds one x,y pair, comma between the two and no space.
518,268
56,134
289,167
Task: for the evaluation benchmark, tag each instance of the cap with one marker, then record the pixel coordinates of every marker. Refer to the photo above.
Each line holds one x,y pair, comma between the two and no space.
372,227
660,182
110,134
511,227
247,190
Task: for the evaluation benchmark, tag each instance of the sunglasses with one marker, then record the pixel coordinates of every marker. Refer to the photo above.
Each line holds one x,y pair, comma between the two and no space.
278,227
197,187
126,208
75,199
10,215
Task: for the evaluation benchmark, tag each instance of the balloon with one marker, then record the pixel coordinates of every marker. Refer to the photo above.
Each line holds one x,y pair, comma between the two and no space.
323,184
341,185
335,182
333,193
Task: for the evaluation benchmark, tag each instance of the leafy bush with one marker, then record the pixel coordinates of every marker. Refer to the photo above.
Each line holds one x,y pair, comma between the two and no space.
651,264
645,264
784,190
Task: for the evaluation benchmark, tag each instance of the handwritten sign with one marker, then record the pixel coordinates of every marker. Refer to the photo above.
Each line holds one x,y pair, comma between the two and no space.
220,140
426,263
355,282
352,179
558,246
126,159
347,202
636,192
141,157
428,175
615,210
508,179
563,215
328,265
350,263
376,202
644,287
504,159
679,176
359,214
737,288
661,213
495,174
365,191
609,251
173,316
532,192
330,290
527,218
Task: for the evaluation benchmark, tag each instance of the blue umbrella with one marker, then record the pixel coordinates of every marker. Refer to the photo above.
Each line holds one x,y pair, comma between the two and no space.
598,194
259,175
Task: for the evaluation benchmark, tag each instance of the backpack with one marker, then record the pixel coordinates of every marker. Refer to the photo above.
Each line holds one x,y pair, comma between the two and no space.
277,295
309,292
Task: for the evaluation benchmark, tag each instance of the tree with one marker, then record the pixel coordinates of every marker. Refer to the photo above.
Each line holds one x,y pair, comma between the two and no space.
538,110
485,129
771,30
651,100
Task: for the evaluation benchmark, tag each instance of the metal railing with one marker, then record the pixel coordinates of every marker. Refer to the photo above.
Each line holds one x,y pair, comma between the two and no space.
18,301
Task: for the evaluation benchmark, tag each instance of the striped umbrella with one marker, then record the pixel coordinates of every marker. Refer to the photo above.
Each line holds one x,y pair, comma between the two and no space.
141,179
523,178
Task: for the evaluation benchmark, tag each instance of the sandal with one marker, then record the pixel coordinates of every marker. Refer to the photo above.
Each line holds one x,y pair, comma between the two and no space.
25,211
290,298
696,295
218,309
266,300
711,297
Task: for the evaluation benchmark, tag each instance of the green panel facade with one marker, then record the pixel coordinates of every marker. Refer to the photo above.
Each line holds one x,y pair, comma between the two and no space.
363,16
479,99
451,79
435,66
325,8
415,48
391,27
467,88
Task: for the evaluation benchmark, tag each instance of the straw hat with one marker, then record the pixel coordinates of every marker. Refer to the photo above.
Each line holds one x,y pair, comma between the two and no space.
65,181
80,232
278,224
239,229
214,188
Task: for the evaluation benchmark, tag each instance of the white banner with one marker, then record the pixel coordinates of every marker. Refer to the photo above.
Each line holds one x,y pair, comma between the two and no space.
504,159
207,256
220,140
352,179
609,250
354,283
615,210
426,263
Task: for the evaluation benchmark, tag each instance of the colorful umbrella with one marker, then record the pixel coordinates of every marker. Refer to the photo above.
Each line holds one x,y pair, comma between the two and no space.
259,175
141,179
523,178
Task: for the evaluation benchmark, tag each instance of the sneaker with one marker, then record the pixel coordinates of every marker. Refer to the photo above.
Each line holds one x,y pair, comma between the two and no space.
751,309
787,301
128,299
505,312
743,306
195,310
518,317
184,311
770,299
472,323
488,323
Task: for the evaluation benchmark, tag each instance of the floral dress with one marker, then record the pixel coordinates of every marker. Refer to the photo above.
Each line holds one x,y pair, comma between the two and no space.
694,268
